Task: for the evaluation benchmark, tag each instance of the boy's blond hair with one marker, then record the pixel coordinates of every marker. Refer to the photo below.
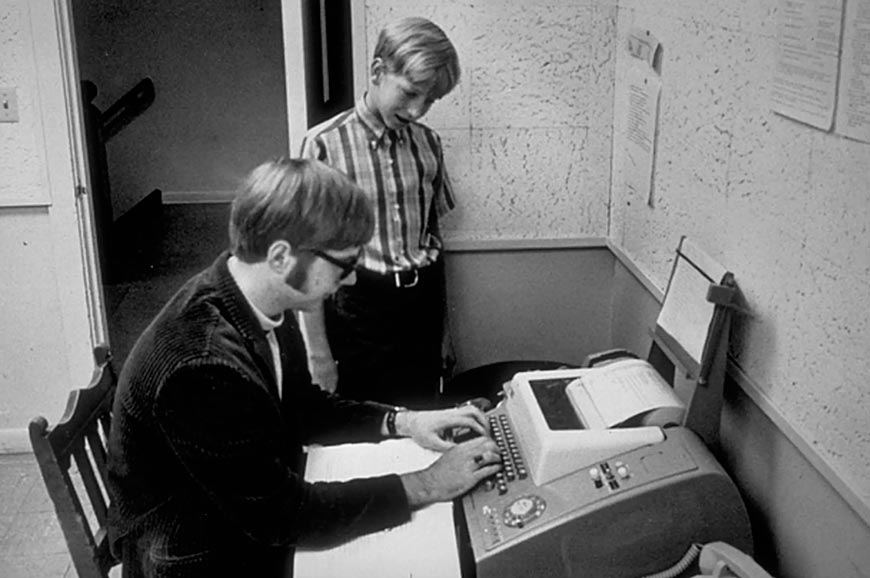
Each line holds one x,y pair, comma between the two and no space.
419,50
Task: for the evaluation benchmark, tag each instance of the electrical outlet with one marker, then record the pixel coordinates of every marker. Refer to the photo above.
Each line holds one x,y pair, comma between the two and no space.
8,105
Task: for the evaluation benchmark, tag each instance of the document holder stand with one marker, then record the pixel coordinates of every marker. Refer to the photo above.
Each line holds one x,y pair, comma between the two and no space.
690,341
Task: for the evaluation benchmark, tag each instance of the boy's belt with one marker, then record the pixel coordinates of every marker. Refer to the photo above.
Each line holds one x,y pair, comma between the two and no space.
405,279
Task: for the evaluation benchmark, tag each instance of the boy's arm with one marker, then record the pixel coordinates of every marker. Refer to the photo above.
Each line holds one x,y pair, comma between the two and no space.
321,364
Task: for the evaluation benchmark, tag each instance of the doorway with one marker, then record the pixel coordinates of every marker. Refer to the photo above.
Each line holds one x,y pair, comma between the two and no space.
191,96
188,98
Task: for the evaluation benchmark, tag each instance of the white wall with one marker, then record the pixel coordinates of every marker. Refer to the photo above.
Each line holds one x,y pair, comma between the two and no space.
44,329
782,205
527,132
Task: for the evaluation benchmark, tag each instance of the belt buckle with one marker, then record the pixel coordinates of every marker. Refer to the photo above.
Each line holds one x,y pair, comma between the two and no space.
397,276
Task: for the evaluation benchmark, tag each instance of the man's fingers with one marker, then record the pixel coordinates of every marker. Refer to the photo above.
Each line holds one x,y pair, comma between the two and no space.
486,471
440,445
482,451
487,457
479,444
474,419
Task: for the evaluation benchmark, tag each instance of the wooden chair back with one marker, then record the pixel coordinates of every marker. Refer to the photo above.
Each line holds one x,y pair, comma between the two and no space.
72,458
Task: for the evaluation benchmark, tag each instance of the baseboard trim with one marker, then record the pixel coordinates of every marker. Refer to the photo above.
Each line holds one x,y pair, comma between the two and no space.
197,197
484,245
15,441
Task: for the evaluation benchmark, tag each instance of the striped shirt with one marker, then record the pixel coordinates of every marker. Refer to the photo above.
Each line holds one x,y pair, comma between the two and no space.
402,172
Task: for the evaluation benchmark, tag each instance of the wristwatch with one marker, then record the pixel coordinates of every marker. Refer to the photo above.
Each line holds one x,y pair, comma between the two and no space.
391,419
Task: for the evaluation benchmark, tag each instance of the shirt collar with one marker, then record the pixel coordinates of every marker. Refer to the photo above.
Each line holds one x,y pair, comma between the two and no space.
266,322
374,124
370,119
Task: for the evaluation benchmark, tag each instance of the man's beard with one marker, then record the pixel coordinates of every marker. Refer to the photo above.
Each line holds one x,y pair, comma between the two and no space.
298,275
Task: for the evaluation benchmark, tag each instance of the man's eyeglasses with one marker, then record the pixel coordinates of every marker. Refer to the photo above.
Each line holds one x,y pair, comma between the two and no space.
347,266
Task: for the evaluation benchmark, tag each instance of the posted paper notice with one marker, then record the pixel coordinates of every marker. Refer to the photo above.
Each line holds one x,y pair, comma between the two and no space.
808,43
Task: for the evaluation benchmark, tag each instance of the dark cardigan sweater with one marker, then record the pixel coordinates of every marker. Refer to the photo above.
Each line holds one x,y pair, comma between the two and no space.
204,456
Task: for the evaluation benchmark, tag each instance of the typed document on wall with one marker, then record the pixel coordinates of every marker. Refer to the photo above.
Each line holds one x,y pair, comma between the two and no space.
639,116
853,100
808,44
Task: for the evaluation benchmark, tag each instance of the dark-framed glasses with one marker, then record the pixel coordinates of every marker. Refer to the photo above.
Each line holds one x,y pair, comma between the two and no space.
347,266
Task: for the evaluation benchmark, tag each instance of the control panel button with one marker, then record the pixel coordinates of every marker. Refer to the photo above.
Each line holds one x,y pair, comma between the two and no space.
521,507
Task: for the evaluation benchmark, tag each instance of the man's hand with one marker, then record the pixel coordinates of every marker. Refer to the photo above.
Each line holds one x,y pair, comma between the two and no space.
427,428
454,473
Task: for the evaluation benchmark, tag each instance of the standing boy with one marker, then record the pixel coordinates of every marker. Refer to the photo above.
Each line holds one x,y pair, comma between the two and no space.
381,339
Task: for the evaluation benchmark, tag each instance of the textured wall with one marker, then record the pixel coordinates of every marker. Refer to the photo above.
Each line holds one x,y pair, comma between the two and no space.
21,144
527,132
783,205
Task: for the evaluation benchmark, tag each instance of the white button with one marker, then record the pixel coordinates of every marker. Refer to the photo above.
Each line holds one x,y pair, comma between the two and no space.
594,474
622,471
521,507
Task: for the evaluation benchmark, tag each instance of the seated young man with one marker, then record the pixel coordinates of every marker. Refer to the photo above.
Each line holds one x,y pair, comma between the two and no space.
215,401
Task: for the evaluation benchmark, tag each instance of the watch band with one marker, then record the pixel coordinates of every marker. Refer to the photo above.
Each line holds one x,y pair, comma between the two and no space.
391,419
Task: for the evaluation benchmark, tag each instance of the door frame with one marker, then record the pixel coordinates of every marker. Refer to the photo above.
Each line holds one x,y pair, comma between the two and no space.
78,164
294,65
294,68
